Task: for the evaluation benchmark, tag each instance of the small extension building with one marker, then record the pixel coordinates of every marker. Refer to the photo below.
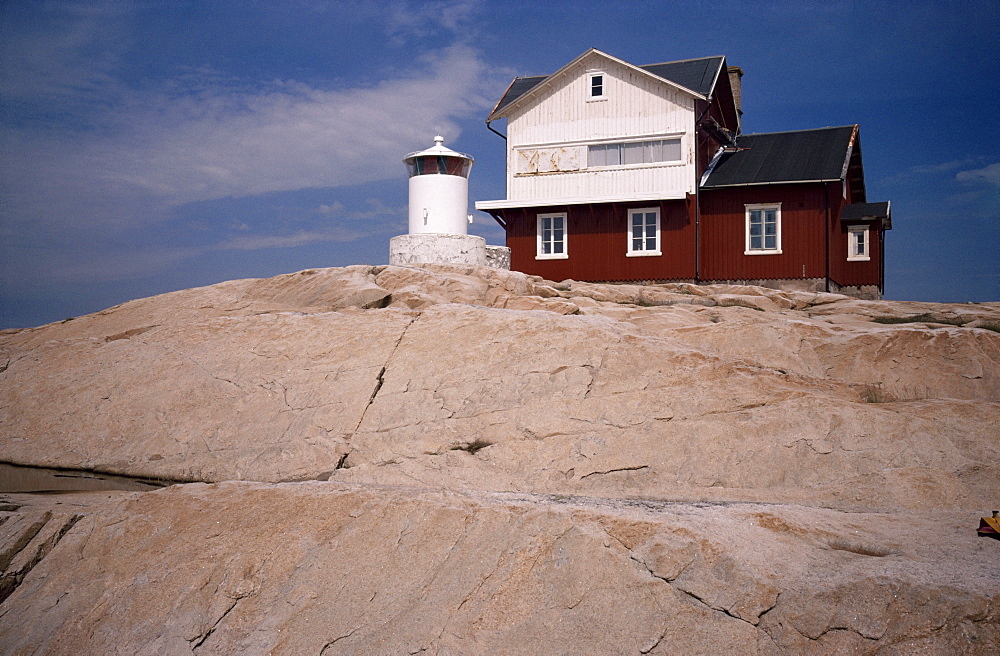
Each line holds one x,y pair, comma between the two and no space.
624,173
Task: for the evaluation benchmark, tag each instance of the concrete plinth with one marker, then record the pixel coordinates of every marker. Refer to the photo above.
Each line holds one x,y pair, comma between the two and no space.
445,249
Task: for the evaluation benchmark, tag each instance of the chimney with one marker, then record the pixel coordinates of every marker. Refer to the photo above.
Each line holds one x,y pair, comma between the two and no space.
735,81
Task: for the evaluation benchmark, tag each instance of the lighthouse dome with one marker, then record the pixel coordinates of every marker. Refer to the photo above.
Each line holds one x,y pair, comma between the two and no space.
438,160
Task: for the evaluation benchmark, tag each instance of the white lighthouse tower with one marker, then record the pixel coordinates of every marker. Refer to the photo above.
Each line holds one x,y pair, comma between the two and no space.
438,215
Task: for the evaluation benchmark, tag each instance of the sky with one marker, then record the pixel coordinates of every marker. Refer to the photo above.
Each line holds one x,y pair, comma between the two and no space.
154,145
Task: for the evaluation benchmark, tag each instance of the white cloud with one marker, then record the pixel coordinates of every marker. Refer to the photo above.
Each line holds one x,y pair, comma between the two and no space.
427,19
298,238
988,174
170,150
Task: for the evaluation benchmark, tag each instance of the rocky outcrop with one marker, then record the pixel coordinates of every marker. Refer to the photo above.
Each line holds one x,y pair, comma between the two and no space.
25,538
318,568
682,467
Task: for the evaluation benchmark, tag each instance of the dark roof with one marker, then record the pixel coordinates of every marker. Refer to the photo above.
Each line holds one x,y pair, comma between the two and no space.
867,212
517,88
800,156
698,75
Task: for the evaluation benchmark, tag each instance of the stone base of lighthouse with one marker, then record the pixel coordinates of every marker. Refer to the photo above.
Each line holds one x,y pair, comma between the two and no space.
430,248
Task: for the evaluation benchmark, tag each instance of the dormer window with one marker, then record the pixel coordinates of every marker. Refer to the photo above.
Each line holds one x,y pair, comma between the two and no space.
596,81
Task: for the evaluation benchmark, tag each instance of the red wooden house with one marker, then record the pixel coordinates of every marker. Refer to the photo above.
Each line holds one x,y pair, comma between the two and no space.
619,173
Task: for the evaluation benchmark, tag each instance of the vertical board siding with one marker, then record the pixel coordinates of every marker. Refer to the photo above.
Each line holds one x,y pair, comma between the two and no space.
636,105
803,233
663,181
597,243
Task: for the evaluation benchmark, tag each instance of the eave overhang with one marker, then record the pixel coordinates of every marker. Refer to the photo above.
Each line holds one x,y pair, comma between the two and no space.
868,213
487,205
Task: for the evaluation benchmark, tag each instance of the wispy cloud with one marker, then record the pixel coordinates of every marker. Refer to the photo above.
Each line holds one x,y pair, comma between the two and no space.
988,174
423,19
170,150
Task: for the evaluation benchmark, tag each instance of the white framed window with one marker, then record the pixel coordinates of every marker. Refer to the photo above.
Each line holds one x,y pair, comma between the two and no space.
632,153
643,232
552,237
763,229
857,244
597,85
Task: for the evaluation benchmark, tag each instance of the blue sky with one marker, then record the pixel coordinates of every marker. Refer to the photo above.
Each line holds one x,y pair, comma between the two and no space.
156,145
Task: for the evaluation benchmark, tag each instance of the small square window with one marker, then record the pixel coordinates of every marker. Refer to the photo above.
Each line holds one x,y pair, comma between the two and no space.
551,237
596,85
763,230
857,244
643,232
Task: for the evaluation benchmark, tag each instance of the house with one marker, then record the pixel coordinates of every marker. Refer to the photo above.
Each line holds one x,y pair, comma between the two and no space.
624,173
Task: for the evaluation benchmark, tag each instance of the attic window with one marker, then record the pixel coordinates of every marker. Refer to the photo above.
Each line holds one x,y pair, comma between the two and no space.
595,85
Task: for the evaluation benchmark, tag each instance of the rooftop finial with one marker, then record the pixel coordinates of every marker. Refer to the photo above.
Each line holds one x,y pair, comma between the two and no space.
439,140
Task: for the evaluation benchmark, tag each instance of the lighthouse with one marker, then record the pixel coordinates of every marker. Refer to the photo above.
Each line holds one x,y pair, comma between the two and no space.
439,213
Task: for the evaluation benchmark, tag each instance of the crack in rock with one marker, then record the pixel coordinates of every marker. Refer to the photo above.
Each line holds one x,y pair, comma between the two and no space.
337,639
380,378
199,640
26,543
617,469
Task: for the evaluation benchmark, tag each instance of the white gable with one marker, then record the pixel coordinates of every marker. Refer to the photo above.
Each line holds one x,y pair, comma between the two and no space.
551,128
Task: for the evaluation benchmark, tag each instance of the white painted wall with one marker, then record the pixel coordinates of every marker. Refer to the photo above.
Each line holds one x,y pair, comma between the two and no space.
547,138
439,204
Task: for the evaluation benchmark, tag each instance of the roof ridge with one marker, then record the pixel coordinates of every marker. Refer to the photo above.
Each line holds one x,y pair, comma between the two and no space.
681,61
828,127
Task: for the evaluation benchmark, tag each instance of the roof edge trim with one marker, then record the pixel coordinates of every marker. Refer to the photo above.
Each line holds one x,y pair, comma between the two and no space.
547,82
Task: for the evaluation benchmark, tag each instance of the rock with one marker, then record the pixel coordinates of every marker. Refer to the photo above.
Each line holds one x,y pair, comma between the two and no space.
303,568
509,462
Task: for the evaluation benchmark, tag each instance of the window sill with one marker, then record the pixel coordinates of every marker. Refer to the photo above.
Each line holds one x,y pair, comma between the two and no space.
556,256
643,254
774,252
597,99
859,259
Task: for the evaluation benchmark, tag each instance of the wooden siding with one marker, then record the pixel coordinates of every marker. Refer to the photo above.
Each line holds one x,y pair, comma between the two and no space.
803,232
637,105
597,242
649,181
844,272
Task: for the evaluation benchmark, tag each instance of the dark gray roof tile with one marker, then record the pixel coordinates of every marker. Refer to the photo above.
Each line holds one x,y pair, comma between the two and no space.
697,75
799,156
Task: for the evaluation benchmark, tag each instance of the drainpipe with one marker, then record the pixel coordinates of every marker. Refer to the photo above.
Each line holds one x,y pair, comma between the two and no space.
697,191
490,128
826,235
697,234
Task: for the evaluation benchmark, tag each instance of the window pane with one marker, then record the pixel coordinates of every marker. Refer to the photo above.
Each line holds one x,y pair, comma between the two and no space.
596,85
671,150
614,156
770,243
596,155
633,153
